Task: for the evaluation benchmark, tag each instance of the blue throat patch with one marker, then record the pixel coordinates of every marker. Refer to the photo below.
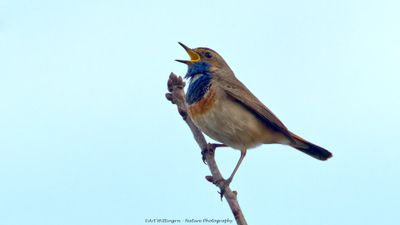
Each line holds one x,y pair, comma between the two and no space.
198,87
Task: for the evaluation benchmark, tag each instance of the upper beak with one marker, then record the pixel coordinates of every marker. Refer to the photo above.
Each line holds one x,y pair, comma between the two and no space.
194,56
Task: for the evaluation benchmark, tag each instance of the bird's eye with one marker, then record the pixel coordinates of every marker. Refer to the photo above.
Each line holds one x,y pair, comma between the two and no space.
208,54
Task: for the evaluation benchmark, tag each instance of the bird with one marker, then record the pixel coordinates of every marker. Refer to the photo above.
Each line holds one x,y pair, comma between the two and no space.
223,108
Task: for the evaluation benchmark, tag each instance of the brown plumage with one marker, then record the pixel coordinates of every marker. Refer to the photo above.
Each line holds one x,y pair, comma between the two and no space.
226,110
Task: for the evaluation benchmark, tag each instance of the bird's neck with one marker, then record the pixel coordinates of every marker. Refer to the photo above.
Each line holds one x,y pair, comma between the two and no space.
198,87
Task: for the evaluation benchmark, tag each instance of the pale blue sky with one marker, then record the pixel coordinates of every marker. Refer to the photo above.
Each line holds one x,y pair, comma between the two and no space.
87,137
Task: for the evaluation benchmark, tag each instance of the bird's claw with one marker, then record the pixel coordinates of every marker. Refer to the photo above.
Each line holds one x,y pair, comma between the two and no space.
222,184
203,155
209,149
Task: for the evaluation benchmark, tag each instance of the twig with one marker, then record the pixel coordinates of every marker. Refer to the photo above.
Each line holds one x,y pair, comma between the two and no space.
176,95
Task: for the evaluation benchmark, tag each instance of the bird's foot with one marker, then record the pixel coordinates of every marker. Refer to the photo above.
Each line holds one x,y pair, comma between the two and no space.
222,184
204,153
209,149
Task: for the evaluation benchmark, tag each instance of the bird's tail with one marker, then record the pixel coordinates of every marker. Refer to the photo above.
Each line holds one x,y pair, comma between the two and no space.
309,148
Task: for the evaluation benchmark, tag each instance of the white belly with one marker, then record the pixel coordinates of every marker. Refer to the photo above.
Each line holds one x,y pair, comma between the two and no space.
232,124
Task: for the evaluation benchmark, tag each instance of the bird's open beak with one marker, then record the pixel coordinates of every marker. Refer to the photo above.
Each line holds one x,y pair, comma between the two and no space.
194,56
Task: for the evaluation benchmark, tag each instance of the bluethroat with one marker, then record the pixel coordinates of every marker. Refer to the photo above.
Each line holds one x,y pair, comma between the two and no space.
225,109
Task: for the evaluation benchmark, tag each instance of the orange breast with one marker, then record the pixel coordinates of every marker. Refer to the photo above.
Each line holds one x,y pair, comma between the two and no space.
204,105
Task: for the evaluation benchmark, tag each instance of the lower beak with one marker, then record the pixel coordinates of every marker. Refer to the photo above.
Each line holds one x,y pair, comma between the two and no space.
187,62
194,56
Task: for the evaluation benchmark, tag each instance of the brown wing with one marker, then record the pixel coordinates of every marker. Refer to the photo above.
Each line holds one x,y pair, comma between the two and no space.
234,88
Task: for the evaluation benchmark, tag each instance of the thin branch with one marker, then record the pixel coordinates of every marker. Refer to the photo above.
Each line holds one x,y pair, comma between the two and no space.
176,95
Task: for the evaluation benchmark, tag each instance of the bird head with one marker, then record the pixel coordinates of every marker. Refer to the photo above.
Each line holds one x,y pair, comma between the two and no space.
203,60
